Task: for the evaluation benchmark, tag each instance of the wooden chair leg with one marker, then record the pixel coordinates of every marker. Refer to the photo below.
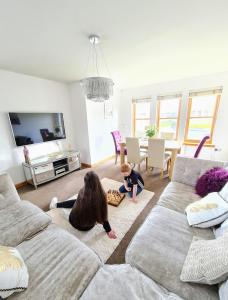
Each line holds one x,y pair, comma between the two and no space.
161,174
150,170
116,158
146,163
167,165
139,167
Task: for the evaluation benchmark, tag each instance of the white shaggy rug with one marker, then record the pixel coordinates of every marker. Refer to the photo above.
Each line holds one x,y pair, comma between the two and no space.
120,218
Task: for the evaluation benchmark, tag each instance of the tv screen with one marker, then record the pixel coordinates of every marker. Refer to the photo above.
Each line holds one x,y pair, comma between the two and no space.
32,128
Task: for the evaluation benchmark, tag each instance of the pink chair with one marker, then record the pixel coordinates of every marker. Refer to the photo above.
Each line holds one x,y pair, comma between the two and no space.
117,139
200,146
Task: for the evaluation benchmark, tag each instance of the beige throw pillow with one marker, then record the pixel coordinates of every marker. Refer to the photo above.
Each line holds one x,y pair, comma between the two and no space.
206,261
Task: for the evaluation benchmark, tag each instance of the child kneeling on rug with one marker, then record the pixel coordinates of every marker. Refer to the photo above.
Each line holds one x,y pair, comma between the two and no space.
89,208
133,182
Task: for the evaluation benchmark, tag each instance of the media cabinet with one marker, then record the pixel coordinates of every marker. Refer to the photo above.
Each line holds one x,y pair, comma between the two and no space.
49,167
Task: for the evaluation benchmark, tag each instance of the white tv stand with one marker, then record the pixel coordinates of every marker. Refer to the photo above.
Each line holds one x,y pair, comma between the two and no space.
49,167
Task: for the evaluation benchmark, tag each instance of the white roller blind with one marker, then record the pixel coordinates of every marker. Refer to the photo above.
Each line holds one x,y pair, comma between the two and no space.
169,96
205,92
141,100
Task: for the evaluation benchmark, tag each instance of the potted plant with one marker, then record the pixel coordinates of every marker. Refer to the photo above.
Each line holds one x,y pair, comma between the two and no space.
151,131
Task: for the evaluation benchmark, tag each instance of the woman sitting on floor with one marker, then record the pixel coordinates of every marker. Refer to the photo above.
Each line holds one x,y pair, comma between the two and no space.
89,208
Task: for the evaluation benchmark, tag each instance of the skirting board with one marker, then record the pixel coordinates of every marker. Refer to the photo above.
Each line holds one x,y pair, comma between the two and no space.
85,165
20,185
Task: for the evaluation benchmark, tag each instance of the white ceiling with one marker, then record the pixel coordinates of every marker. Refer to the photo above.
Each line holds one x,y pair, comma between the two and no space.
144,41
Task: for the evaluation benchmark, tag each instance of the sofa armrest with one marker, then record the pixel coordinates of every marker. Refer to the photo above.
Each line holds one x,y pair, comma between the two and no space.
7,190
187,170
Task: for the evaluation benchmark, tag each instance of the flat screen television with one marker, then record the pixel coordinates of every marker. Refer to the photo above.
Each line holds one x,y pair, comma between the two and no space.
32,128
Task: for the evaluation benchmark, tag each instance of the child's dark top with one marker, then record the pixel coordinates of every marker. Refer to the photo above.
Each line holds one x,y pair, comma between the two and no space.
134,178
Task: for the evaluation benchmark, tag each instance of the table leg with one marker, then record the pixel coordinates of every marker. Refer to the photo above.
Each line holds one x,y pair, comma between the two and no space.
122,155
173,158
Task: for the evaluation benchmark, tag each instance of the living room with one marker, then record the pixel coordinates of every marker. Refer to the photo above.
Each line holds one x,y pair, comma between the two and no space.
132,97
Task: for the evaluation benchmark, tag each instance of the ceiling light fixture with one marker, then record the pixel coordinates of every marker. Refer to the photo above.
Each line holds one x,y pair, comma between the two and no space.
96,88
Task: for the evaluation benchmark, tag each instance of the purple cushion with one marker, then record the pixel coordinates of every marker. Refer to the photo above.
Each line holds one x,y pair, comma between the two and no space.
211,181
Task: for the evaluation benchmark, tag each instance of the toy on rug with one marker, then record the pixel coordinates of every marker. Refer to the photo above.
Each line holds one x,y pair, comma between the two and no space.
114,197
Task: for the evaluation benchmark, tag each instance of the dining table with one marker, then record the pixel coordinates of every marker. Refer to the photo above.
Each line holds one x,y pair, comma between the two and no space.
172,146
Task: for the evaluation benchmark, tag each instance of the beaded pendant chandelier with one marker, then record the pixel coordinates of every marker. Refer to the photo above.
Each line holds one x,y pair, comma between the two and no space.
96,88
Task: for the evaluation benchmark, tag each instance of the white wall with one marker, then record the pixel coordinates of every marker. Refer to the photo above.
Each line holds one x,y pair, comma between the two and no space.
86,128
24,93
100,138
79,120
92,130
184,85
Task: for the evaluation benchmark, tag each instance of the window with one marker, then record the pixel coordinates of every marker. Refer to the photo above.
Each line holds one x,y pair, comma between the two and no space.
168,114
202,112
141,116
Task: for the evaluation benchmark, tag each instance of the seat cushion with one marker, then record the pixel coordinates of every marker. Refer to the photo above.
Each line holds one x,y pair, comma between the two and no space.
20,221
59,266
177,196
124,282
159,250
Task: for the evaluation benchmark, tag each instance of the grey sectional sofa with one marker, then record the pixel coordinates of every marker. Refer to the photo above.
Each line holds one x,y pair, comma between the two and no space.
160,246
61,267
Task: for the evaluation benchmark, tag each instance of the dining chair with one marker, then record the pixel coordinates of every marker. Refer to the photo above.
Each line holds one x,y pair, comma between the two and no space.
117,139
157,158
167,135
200,146
134,155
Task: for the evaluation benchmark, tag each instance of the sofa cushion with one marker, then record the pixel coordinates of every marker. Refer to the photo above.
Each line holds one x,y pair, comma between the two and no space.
8,191
177,196
159,250
187,170
124,282
206,261
19,221
59,265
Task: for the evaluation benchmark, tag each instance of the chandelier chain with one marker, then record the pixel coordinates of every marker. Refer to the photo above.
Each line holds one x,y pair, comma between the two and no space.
105,62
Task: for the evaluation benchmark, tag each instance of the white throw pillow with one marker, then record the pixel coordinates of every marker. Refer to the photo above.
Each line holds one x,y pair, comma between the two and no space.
223,290
209,211
221,229
206,261
13,272
224,192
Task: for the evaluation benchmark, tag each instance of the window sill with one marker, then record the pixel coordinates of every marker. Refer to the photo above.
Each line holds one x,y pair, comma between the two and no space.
196,144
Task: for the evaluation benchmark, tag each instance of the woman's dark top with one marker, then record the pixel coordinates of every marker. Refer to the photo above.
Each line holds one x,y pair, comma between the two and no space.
78,219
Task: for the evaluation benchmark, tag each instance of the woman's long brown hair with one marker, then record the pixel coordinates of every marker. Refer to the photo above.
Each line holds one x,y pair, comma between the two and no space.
92,203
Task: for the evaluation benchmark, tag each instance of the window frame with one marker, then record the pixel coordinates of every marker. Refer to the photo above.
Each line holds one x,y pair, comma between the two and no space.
209,142
158,118
134,119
